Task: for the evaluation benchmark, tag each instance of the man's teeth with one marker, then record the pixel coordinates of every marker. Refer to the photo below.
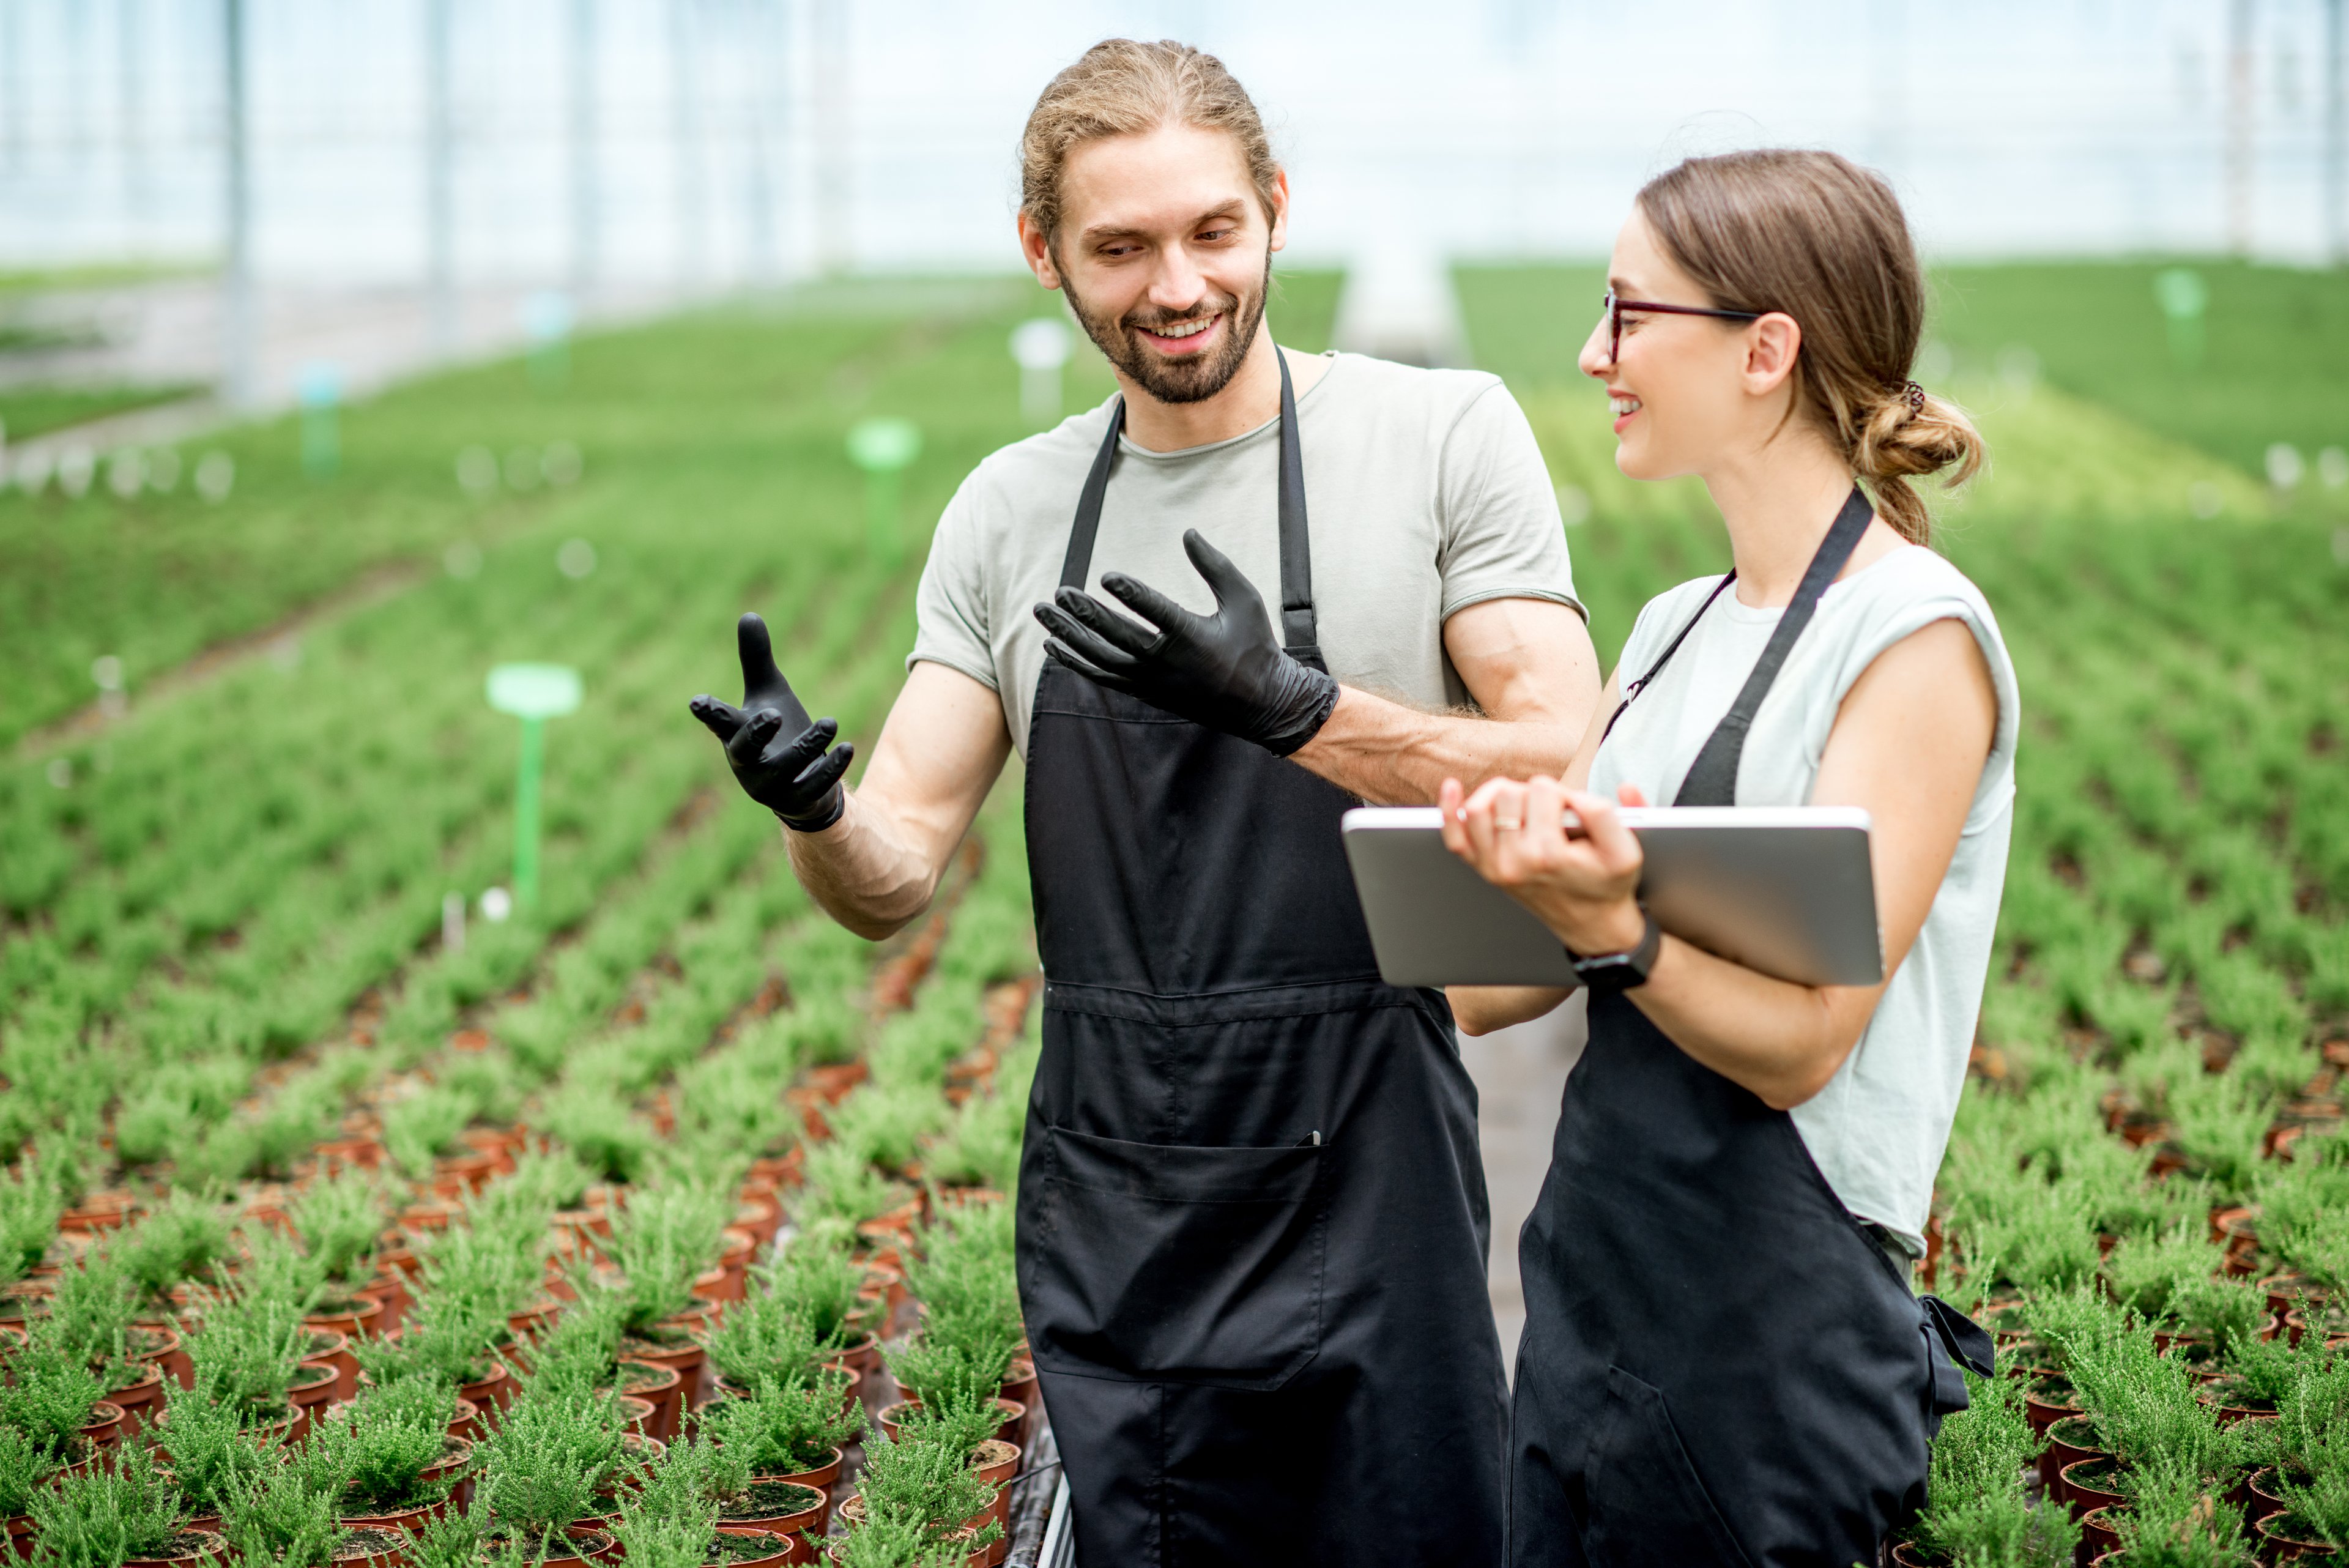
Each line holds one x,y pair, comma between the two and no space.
1184,328
1624,406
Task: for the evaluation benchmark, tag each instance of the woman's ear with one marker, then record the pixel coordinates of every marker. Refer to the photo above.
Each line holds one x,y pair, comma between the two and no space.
1772,345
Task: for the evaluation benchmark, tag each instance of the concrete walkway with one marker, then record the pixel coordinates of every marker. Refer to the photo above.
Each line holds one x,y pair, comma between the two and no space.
1520,1072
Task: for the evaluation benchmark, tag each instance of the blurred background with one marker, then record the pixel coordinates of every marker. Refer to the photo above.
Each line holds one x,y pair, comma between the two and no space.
348,348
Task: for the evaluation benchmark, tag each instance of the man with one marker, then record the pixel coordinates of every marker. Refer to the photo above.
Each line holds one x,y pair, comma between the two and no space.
1252,1218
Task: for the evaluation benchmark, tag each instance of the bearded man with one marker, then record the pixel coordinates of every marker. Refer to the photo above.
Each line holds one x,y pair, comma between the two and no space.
1252,1225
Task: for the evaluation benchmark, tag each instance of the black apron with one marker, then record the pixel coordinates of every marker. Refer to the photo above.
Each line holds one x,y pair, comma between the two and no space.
1721,1364
1252,1224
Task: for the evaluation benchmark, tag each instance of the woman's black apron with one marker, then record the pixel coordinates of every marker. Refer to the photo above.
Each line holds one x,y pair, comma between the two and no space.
1252,1219
1719,1364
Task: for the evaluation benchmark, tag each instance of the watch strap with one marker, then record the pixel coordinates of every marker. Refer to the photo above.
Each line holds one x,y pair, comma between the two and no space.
1623,971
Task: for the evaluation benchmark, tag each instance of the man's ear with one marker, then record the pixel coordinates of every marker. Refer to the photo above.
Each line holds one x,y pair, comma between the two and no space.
1279,209
1036,250
1772,345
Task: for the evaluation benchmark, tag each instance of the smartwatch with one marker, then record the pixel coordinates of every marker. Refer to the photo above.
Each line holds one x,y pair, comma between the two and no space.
1603,973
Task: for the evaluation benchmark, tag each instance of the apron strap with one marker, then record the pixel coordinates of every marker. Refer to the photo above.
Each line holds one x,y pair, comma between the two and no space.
1297,629
1665,657
1712,778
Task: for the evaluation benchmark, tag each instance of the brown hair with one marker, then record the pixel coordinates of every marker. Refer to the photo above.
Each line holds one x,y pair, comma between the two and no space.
1822,240
1120,87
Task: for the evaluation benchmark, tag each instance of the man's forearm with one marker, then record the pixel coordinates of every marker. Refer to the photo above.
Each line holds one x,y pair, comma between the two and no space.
1387,754
861,872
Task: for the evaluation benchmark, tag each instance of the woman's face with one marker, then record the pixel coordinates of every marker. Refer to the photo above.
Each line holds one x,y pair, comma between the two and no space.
1681,386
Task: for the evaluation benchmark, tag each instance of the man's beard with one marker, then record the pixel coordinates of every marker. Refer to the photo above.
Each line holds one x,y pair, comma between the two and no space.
1191,380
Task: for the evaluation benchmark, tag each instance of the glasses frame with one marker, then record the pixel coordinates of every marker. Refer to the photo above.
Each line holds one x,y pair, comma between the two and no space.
1615,307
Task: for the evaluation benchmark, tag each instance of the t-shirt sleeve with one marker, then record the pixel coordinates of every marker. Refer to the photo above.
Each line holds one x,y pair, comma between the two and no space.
952,619
1502,537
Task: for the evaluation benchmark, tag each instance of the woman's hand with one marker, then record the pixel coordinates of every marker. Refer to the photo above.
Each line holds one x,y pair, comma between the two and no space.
1579,885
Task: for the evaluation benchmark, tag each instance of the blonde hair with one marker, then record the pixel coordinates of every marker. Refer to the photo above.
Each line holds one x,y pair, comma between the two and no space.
1815,237
1120,87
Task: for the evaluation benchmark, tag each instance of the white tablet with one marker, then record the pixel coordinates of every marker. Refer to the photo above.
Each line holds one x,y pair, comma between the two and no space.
1784,890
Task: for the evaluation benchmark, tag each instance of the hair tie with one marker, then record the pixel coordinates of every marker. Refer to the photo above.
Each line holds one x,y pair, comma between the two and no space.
1916,396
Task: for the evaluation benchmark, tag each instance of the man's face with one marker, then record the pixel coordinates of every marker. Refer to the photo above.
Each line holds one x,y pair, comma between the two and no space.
1165,253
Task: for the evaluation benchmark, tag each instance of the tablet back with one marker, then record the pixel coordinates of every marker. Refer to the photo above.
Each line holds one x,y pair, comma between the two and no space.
1784,890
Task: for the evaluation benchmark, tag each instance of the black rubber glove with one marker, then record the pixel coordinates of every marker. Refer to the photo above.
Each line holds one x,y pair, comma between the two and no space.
1227,672
777,757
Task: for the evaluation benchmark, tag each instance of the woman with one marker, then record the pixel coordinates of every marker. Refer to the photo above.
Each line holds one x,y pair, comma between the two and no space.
1722,1361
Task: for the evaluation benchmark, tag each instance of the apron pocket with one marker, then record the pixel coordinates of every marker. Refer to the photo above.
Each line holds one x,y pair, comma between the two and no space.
1173,1263
1647,1508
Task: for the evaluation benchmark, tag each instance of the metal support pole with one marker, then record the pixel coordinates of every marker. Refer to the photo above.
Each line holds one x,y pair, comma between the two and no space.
692,215
440,178
238,314
2337,132
586,220
2241,18
526,787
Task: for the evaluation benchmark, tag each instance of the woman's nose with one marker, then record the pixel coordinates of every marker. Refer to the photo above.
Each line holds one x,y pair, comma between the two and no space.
1595,360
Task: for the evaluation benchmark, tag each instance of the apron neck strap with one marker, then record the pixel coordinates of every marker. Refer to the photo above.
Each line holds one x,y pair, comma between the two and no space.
1712,778
1298,630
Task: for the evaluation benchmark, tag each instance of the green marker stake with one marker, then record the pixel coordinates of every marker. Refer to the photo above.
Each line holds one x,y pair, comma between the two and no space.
322,436
2183,297
883,448
533,693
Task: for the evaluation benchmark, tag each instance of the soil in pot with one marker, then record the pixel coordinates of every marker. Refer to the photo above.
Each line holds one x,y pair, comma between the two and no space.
587,1544
662,1387
2069,1441
352,1315
823,1478
2263,1495
749,1548
2288,1540
2047,1400
785,1506
2093,1484
140,1400
2097,1535
188,1548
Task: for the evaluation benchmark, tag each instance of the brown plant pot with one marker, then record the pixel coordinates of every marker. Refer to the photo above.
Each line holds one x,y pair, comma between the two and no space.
2046,1401
755,1511
2097,1535
785,1170
491,1393
662,1387
1019,1385
2262,1498
2069,1441
107,1210
366,1153
851,1509
104,1425
678,1348
2288,1541
1904,1556
2288,1291
638,1415
331,1348
465,1420
192,1548
779,1550
760,1217
889,1415
823,1476
2090,1484
361,1319
20,1535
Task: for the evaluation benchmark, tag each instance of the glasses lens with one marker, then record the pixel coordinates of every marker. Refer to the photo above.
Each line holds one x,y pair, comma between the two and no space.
1614,326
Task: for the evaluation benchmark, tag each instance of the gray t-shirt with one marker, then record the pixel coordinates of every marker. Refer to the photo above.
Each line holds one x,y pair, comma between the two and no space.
1424,494
1877,1129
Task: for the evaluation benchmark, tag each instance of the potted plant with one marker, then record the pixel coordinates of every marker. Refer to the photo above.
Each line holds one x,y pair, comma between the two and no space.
578,1359
2174,1519
730,1517
248,1351
539,1472
789,1433
935,1372
52,1397
93,1317
26,1469
180,1241
392,1446
289,1515
760,1336
666,1235
449,1338
30,1206
921,1481
212,1451
339,1221
1976,1510
101,1518
818,1282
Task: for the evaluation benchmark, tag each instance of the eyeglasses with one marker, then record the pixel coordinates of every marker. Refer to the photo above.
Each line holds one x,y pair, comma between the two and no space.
1616,308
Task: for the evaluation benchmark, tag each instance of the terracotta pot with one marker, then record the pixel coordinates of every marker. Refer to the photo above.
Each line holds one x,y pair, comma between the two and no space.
823,1476
2069,1441
2286,1292
714,1285
785,1170
890,1415
104,1425
465,1420
678,1346
785,1548
458,1176
2089,1484
1904,1556
2261,1496
2097,1535
638,1414
662,1389
759,1514
528,1325
390,1287
833,1080
2288,1541
331,1348
20,1535
362,1319
1020,1387
140,1402
851,1509
192,1548
2046,1401
315,1387
492,1392
589,1543
410,1520
99,1211
366,1153
758,1217
997,1463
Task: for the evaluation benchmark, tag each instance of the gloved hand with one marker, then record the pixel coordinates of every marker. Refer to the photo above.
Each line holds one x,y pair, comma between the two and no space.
777,757
1227,672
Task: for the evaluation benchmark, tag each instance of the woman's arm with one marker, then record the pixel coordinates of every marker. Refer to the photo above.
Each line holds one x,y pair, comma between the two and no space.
1481,1009
1908,746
